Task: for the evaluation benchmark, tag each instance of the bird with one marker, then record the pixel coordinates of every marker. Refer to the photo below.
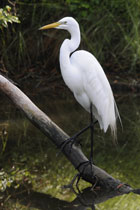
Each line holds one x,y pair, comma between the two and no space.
85,77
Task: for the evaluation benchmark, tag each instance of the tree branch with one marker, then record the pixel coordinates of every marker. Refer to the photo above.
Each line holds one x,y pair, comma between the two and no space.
58,136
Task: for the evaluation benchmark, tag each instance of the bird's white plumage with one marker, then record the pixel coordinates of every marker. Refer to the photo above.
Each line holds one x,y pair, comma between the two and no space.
85,77
95,88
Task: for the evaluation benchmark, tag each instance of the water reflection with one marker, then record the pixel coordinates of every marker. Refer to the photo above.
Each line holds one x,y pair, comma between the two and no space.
83,201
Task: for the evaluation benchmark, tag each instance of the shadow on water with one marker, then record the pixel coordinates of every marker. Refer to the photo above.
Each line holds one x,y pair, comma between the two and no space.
28,151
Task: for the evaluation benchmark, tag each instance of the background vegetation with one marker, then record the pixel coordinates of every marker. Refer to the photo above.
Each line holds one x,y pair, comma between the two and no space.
110,30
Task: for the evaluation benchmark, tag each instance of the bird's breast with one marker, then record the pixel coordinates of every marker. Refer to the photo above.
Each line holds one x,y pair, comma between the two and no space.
72,78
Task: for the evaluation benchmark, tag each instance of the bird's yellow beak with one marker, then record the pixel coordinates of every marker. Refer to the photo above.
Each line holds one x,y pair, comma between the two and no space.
52,25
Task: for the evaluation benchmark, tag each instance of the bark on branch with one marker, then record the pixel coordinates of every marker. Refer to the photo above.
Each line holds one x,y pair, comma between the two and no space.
57,136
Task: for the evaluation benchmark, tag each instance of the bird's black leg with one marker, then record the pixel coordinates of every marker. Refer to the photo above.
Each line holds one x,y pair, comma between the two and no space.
91,126
72,139
86,164
92,133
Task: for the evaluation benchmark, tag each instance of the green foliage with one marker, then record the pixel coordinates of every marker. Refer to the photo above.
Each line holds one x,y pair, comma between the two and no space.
110,30
7,17
15,178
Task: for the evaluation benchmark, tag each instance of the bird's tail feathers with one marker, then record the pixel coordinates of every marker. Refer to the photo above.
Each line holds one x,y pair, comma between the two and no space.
118,115
113,126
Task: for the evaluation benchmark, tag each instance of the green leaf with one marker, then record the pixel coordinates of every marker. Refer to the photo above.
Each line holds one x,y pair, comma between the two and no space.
6,17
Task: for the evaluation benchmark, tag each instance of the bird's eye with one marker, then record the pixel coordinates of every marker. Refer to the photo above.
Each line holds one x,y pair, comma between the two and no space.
65,22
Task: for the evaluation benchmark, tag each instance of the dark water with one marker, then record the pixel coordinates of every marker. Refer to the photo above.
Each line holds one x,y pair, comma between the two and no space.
34,157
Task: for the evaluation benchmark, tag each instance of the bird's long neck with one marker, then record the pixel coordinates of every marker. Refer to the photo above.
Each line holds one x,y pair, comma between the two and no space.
69,46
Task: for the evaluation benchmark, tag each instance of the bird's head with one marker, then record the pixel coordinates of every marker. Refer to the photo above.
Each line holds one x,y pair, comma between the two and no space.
66,23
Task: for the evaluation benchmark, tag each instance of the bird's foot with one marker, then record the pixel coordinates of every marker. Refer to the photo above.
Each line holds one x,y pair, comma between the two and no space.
71,141
86,164
71,185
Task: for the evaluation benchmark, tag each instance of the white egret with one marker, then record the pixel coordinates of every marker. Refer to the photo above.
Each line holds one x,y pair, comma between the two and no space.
85,77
